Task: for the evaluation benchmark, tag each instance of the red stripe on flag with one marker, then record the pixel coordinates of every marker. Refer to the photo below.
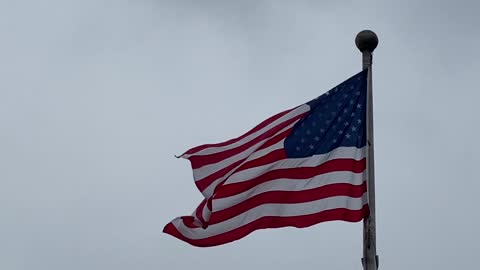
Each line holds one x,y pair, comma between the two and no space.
202,184
272,222
189,222
199,211
255,129
269,158
352,165
275,139
202,160
289,197
273,156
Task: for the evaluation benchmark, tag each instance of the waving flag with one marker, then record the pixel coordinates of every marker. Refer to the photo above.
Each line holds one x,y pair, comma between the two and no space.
298,168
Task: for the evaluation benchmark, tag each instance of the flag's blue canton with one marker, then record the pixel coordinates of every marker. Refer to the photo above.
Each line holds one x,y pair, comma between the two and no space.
336,118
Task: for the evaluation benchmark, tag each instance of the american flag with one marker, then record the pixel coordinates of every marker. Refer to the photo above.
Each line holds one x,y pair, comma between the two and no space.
300,167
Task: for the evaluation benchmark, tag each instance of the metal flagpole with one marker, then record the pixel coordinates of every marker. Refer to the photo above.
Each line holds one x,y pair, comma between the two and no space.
366,42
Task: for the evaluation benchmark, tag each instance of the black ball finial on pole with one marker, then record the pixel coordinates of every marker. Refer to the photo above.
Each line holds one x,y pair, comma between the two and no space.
366,40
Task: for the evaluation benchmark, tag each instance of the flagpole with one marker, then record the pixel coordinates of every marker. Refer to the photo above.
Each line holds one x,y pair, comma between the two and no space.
366,42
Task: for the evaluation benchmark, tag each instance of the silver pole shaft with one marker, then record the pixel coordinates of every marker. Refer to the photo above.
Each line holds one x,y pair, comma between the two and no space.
370,258
366,42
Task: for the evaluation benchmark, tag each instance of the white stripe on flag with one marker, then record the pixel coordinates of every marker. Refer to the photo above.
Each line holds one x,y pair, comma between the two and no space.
209,169
313,161
283,184
212,150
275,210
213,185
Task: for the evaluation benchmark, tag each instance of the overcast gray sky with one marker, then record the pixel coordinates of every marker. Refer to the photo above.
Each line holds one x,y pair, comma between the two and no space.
96,98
